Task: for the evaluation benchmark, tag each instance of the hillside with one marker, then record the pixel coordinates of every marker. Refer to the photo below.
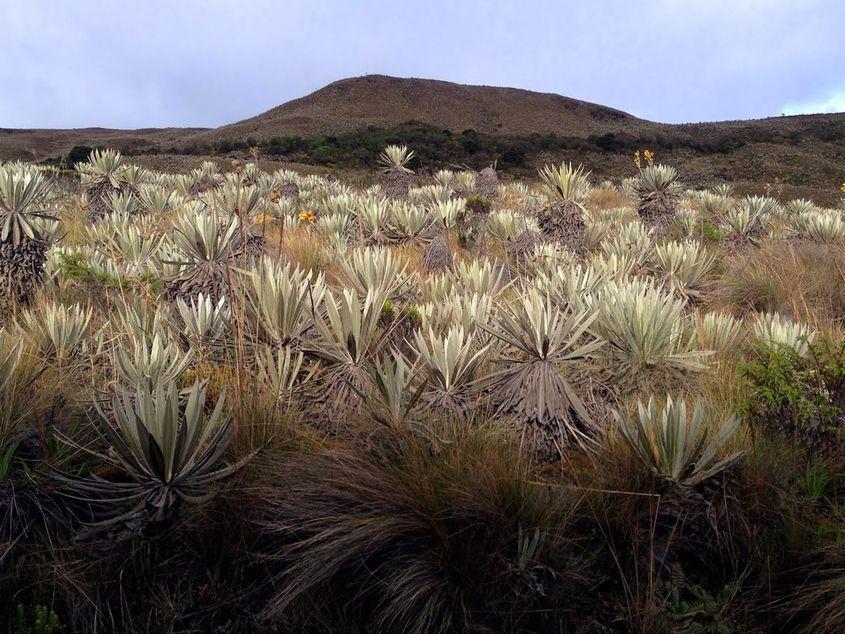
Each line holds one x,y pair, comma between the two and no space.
345,123
29,144
377,100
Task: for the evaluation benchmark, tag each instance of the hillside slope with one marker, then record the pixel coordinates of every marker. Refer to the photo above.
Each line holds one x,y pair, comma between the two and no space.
356,103
376,100
37,144
806,154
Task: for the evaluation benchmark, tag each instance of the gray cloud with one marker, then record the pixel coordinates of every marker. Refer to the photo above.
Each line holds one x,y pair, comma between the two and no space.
206,63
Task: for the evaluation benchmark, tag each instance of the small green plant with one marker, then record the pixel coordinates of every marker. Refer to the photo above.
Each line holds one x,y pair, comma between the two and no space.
38,620
413,314
387,310
710,232
815,480
155,284
6,460
528,547
74,266
695,609
478,205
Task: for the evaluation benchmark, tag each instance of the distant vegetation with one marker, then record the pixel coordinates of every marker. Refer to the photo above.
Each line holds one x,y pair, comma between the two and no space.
438,148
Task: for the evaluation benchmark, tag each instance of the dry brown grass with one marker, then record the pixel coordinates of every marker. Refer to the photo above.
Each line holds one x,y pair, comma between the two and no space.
387,528
306,249
804,280
74,217
607,198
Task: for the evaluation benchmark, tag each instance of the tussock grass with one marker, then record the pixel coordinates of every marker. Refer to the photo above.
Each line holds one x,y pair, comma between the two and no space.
386,532
802,280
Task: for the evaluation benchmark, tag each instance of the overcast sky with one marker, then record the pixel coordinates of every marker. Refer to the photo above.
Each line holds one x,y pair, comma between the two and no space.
139,63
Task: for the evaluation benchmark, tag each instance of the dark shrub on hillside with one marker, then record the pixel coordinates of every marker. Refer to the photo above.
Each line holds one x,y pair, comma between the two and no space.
78,154
607,142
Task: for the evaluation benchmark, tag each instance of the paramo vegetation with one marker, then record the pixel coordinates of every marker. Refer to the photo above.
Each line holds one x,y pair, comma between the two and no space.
251,401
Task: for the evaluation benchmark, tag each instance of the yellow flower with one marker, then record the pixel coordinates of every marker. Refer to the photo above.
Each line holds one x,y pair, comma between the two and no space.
307,216
264,218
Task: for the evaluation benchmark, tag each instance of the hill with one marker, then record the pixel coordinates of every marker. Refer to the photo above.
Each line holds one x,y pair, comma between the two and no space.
346,123
29,144
376,100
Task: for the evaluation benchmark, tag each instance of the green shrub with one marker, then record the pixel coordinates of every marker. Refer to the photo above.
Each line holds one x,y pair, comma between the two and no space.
78,153
73,266
795,394
478,205
710,232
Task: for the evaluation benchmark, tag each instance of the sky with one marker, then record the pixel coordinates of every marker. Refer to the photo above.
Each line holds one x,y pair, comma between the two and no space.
156,63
